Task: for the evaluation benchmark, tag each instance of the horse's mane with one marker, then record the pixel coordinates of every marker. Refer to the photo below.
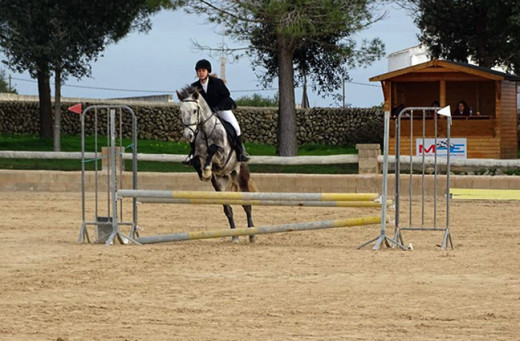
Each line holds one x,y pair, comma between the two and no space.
187,92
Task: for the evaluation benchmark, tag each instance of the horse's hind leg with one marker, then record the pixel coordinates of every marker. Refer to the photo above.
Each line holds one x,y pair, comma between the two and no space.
244,182
228,211
219,184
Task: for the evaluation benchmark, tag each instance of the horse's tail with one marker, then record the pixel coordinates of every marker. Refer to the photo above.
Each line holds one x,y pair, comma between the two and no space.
231,186
252,186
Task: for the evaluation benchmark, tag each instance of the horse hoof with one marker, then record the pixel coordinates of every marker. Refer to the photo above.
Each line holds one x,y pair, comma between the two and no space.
207,173
252,239
234,240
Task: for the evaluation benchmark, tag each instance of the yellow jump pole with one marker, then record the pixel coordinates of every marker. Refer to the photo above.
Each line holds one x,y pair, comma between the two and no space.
302,203
247,195
325,224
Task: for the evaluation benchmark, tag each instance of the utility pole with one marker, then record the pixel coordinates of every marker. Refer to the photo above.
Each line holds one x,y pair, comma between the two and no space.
344,104
223,66
223,60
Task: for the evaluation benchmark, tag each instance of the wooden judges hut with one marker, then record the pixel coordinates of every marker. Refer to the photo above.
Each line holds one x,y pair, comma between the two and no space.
491,129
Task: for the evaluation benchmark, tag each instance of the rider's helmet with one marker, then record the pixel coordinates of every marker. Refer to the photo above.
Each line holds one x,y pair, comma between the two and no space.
203,64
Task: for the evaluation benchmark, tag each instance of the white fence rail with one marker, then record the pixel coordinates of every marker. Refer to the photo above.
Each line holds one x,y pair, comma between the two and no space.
10,154
275,160
468,163
266,160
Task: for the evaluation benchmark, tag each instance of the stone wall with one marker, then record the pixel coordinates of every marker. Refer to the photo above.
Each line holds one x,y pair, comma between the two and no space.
162,122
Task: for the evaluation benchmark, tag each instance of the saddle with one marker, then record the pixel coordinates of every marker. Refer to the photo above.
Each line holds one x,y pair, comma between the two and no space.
231,133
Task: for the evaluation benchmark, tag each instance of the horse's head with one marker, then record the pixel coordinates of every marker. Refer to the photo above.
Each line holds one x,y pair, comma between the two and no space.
190,109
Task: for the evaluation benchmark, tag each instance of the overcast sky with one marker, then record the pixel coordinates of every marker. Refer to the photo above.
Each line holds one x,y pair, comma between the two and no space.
163,60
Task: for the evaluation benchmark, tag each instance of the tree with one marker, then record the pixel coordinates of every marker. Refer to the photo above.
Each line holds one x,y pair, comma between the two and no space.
4,86
313,36
488,31
64,36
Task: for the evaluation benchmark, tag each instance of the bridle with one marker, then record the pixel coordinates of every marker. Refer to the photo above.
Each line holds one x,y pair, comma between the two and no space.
199,123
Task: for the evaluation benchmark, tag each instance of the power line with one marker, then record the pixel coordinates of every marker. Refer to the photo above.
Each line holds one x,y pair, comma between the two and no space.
128,90
365,84
253,90
166,91
98,88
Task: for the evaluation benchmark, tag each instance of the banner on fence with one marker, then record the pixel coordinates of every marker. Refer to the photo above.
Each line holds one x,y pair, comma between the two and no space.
458,147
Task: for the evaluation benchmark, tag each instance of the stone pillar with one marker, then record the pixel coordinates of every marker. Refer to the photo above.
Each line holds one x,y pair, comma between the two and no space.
105,153
368,154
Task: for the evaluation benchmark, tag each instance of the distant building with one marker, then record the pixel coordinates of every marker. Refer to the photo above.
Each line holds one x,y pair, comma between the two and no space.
407,57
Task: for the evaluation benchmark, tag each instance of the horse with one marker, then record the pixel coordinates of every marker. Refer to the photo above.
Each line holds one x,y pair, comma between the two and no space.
214,158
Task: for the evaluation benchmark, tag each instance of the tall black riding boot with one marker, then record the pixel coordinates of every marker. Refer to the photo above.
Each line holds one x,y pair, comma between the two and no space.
189,158
241,150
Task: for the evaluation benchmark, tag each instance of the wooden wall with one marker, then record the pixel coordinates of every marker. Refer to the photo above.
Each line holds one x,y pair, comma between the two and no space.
508,121
478,95
415,94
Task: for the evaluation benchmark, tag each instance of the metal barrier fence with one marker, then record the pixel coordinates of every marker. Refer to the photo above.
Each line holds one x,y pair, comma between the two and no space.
108,221
400,225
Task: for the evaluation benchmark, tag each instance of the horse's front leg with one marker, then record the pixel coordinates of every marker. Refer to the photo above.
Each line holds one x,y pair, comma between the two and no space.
220,184
195,162
206,170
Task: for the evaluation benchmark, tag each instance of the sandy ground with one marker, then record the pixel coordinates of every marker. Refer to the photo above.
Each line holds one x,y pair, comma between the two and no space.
295,286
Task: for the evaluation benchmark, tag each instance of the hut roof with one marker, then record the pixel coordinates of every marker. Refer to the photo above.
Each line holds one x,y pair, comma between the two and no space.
442,66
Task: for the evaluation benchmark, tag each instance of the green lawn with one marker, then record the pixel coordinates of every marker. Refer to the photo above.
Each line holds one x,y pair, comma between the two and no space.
73,144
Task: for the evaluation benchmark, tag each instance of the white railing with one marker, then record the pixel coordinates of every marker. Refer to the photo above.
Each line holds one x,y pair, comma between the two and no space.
275,160
266,160
469,163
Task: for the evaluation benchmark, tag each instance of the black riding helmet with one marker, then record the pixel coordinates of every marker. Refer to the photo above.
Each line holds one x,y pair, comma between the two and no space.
203,64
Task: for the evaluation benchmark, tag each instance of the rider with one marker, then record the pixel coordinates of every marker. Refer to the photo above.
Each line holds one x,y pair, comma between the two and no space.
217,95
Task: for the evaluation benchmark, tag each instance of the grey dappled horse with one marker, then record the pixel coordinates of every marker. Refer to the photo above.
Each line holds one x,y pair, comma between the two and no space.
214,158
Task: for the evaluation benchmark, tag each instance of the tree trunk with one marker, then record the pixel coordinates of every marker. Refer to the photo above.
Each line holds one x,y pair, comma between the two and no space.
305,99
44,92
286,133
57,111
483,57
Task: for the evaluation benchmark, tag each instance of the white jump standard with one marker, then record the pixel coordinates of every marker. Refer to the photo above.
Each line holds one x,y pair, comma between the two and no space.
413,225
108,221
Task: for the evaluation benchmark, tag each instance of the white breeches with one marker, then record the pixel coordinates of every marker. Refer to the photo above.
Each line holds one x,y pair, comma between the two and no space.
228,116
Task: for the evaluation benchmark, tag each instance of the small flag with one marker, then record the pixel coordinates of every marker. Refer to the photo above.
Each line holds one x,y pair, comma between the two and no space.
75,108
445,111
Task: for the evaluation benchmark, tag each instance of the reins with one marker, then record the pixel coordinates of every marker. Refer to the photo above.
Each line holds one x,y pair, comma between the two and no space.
199,124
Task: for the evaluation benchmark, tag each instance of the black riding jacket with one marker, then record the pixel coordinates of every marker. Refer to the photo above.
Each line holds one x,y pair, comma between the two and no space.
218,96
